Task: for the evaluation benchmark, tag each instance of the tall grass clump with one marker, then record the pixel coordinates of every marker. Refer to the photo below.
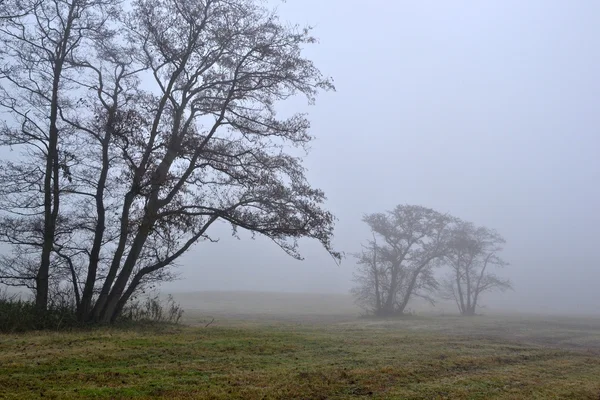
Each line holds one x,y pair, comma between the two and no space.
18,314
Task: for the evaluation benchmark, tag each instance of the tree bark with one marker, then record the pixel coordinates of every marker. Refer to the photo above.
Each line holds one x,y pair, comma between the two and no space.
108,312
85,309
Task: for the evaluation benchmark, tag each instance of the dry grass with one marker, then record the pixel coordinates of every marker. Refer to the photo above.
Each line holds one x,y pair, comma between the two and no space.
416,358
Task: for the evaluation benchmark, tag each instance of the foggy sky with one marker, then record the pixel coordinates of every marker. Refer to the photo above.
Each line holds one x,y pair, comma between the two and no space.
486,110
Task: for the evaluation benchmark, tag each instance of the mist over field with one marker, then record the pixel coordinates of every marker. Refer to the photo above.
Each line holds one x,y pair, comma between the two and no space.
486,111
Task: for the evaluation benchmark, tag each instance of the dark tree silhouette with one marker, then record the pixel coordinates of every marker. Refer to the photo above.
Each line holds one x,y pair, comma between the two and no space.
38,41
400,265
472,253
141,172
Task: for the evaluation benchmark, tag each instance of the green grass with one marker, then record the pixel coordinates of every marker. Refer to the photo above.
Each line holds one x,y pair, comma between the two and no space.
418,358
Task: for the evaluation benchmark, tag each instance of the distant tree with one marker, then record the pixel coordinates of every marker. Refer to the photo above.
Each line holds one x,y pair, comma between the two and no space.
472,253
401,264
142,172
371,278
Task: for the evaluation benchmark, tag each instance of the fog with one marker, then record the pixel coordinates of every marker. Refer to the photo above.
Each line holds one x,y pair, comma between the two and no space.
485,110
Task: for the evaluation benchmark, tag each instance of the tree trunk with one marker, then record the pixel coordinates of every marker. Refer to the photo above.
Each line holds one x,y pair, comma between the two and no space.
469,312
409,291
125,298
51,203
388,307
51,178
468,282
461,305
377,293
90,282
116,261
118,290
376,275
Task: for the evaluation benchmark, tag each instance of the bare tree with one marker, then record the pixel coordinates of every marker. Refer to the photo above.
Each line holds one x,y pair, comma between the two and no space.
148,169
10,9
472,252
37,41
413,240
371,278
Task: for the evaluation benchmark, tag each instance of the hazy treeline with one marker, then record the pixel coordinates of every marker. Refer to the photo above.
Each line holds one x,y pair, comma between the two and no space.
410,245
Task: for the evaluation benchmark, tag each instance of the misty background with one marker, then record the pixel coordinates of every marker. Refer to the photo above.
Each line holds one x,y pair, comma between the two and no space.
485,110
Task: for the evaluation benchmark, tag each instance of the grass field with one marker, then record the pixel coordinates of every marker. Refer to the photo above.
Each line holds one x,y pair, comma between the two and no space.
305,356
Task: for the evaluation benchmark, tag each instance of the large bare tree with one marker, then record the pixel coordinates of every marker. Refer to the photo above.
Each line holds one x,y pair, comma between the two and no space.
401,264
38,40
176,128
472,253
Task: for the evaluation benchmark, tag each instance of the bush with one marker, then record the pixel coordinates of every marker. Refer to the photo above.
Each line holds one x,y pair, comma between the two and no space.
152,309
18,315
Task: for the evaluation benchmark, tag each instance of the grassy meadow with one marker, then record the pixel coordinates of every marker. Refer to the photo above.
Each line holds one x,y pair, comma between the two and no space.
308,352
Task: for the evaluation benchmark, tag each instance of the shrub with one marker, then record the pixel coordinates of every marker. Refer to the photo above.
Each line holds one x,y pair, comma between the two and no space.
20,315
152,309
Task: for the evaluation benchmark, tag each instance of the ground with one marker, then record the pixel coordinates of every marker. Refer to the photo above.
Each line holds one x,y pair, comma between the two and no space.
311,356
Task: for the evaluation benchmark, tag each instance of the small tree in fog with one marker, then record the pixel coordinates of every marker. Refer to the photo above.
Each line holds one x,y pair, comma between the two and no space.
472,253
400,265
371,278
